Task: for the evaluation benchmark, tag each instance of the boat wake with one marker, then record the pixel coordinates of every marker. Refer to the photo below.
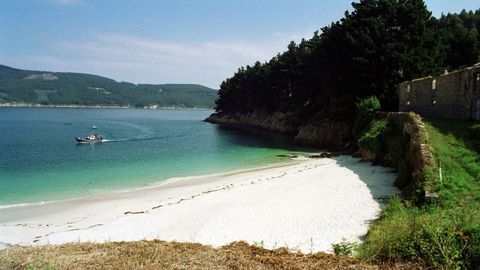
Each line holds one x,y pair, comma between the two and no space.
142,138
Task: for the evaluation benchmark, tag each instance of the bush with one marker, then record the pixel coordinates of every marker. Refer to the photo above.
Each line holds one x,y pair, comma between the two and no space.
344,248
367,108
373,139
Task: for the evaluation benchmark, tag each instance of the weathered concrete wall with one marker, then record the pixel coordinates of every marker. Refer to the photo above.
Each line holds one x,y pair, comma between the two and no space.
454,95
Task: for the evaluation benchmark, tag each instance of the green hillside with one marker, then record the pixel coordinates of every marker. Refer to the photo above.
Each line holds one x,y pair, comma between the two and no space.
59,88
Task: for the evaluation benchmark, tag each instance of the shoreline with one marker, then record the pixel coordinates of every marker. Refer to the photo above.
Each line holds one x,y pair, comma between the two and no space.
304,205
152,107
185,180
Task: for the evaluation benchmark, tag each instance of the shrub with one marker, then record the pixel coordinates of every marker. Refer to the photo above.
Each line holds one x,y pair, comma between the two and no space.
373,139
367,108
344,248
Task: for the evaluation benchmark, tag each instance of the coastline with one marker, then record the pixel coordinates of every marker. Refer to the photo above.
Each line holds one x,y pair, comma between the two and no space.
174,181
304,205
152,107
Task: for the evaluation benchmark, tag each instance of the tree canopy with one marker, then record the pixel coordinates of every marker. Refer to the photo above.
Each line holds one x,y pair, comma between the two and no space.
366,53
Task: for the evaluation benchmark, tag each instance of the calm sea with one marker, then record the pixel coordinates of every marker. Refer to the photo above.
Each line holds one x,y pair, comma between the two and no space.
39,160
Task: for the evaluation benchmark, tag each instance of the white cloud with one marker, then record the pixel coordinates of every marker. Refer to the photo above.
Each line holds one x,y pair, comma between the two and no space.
144,60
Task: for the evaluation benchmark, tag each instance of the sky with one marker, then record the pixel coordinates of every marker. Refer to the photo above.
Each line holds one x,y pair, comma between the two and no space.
164,41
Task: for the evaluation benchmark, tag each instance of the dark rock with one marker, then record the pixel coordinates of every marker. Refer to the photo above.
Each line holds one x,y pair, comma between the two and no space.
327,133
287,155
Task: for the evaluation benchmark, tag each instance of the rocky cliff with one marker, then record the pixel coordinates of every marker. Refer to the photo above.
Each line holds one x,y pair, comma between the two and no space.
325,133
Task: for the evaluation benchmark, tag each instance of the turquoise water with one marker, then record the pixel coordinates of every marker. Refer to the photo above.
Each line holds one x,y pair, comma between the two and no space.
39,160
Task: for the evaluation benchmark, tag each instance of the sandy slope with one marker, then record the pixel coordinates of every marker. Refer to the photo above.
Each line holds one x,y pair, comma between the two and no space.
305,205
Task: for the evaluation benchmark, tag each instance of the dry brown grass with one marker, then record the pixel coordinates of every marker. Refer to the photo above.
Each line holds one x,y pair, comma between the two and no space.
171,255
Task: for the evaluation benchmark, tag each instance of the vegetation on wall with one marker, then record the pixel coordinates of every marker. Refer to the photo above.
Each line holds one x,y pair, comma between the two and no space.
367,109
49,88
399,141
368,52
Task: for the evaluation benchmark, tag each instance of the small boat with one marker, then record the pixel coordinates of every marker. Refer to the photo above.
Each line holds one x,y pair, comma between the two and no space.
92,138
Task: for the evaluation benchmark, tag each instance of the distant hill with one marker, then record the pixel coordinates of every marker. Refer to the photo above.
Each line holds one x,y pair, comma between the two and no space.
61,88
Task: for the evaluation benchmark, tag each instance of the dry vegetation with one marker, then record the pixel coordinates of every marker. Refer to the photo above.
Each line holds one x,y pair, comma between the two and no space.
171,255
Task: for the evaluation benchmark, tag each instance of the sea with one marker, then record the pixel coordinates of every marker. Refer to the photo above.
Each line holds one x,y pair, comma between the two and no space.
40,160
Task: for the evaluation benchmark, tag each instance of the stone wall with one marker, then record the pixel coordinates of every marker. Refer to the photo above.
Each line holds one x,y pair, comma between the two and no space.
454,95
404,146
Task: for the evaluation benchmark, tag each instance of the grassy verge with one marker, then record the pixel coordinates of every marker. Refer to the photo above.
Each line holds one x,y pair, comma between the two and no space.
444,234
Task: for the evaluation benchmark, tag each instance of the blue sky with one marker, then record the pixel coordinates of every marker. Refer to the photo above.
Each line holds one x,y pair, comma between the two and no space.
163,41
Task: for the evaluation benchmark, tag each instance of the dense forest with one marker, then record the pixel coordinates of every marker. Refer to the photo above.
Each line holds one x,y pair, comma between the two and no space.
61,88
368,52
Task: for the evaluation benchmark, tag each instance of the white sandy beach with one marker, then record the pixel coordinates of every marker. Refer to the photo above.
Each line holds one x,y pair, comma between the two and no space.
306,205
